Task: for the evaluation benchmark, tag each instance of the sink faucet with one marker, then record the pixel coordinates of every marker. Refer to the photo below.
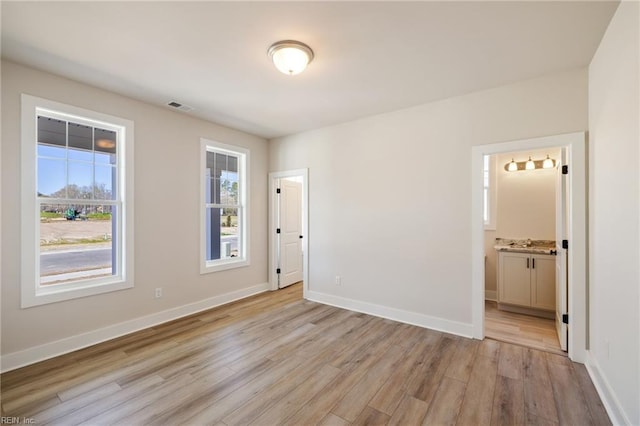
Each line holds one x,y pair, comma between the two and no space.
529,242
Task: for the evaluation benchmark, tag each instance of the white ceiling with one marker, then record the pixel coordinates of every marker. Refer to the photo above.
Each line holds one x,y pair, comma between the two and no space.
370,57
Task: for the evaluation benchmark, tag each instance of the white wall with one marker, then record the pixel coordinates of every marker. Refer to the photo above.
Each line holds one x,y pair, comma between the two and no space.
525,205
167,183
614,213
390,195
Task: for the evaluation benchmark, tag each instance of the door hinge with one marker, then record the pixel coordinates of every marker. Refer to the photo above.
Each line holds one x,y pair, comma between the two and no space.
565,244
277,230
565,170
277,190
565,318
278,271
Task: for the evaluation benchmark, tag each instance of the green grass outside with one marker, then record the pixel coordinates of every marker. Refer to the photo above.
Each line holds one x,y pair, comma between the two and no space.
92,216
75,241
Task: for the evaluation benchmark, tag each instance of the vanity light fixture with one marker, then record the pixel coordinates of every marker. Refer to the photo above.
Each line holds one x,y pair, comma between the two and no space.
530,164
514,166
290,57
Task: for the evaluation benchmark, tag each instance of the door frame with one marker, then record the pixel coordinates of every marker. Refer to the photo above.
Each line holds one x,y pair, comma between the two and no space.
575,143
273,225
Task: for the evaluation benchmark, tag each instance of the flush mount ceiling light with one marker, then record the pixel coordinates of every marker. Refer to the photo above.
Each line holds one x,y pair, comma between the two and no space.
290,57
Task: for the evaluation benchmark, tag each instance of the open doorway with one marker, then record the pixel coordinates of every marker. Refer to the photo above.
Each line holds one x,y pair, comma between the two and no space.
522,280
288,229
574,145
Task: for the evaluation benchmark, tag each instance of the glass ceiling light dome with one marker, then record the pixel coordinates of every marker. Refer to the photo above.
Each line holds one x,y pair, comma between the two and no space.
290,57
530,165
548,163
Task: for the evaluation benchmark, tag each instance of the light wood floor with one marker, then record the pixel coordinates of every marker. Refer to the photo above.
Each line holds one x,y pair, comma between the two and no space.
277,359
526,330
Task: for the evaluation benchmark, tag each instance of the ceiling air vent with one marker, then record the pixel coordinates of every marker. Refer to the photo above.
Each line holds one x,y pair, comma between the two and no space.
181,107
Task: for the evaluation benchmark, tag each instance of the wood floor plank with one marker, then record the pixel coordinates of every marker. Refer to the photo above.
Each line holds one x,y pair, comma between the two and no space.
111,402
477,405
511,361
445,406
333,420
538,395
275,358
462,362
508,402
570,401
286,406
596,408
386,400
372,417
69,406
410,411
489,348
427,378
361,393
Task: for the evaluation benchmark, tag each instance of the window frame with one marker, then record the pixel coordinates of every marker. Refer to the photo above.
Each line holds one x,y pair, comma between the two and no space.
243,154
32,292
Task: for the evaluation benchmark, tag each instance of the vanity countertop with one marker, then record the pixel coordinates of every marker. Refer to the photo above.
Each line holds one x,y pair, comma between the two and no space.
525,246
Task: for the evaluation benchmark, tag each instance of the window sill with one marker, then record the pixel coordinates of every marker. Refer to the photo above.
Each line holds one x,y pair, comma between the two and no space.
53,293
222,265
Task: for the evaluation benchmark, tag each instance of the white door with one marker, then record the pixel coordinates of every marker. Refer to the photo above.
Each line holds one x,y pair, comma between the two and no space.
561,257
290,236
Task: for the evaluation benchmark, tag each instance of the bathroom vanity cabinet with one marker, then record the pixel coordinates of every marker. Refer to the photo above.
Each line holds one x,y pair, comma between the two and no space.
527,280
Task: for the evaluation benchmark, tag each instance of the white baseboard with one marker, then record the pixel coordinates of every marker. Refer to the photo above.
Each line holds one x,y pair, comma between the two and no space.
491,295
59,347
413,318
607,395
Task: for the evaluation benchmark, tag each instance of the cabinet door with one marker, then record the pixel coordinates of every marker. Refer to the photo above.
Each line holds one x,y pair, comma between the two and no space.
514,279
543,282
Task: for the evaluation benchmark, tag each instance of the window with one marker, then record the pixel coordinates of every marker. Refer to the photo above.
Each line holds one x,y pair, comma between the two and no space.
489,179
485,171
223,219
76,202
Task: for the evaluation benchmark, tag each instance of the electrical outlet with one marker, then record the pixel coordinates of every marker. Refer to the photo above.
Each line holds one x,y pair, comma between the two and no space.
158,292
338,280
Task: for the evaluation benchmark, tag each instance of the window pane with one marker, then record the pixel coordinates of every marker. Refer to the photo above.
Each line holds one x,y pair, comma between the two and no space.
80,184
212,232
51,151
52,131
223,236
229,188
229,236
75,243
105,146
80,142
104,188
51,178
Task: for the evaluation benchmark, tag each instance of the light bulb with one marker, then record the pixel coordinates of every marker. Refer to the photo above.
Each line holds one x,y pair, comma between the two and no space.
513,166
547,163
530,164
